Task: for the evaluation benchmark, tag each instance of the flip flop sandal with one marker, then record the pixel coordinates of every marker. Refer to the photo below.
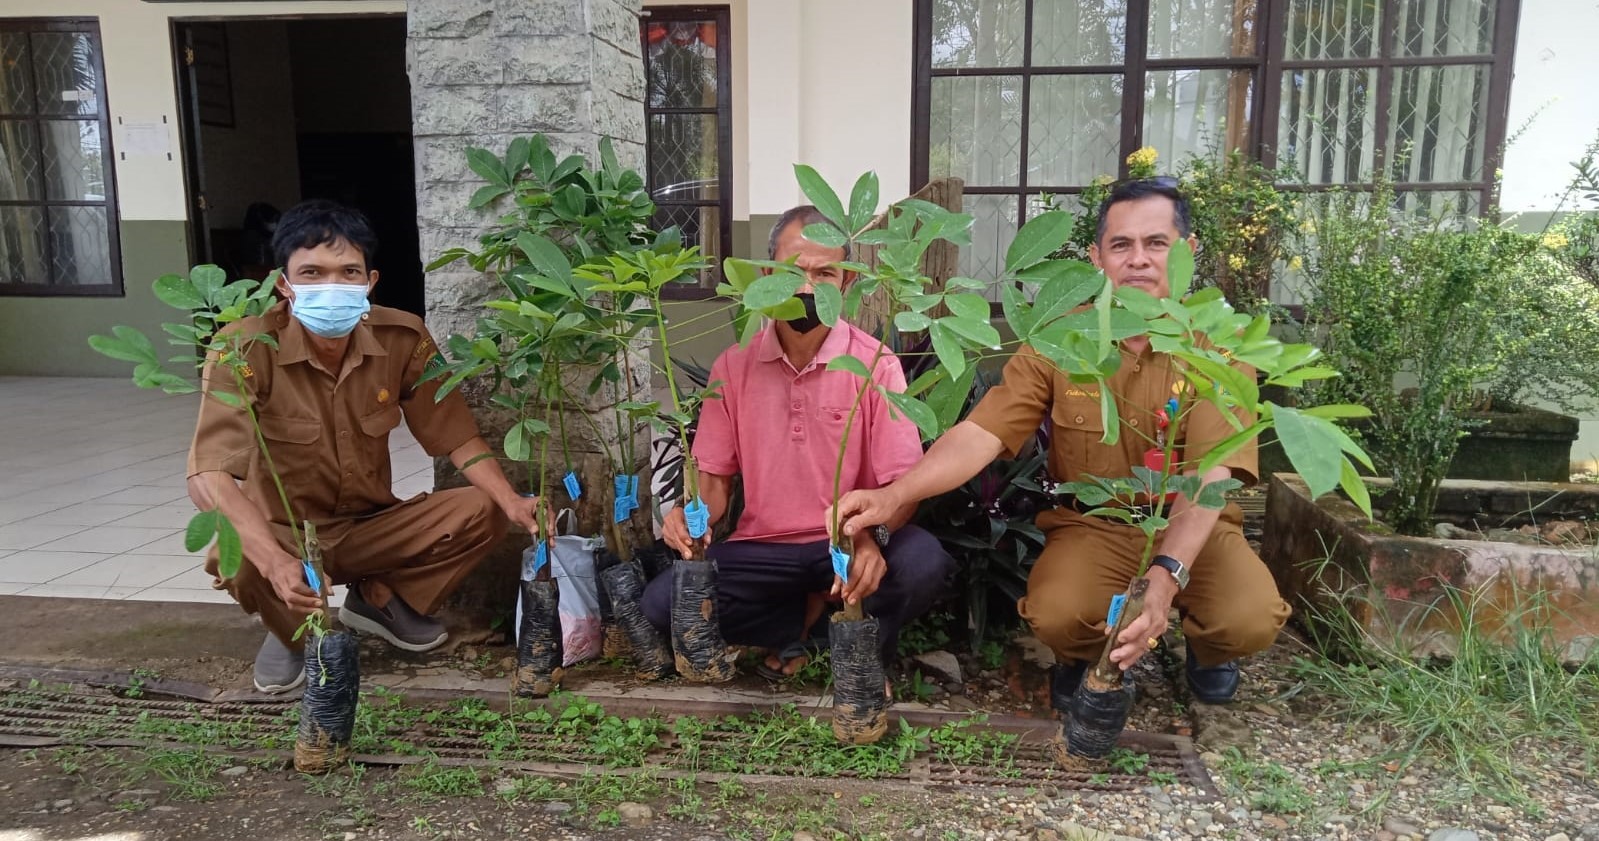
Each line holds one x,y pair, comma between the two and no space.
798,648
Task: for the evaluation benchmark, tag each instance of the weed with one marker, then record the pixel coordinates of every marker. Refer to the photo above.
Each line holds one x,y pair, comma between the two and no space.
1267,786
1128,762
929,632
432,780
1163,778
188,772
991,654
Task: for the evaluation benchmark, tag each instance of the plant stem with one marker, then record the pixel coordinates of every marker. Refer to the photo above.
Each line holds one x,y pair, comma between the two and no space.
266,455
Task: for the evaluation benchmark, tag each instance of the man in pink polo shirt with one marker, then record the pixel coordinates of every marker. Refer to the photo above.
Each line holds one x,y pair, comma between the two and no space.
778,423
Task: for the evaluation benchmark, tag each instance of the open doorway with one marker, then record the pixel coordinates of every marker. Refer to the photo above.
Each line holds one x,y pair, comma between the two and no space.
276,111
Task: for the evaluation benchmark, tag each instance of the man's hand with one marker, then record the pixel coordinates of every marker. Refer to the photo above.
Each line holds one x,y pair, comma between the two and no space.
287,577
860,510
1133,642
524,511
866,570
674,531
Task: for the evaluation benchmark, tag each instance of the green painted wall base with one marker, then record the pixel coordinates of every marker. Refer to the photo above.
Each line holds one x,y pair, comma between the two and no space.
50,336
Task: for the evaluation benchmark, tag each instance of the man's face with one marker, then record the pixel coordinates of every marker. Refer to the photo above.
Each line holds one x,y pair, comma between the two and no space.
818,262
330,262
1138,238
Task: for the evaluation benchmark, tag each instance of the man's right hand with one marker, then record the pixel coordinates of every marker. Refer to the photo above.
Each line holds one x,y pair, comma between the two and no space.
859,510
287,577
674,531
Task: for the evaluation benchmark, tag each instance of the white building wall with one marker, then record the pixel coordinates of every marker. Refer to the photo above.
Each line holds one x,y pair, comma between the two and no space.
1556,69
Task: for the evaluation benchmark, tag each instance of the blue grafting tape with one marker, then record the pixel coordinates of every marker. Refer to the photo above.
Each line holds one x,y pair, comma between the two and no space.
623,504
698,516
541,556
311,577
619,510
632,491
1116,603
573,489
840,562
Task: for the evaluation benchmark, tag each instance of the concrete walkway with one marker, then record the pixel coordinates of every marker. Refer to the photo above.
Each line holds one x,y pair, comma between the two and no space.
93,498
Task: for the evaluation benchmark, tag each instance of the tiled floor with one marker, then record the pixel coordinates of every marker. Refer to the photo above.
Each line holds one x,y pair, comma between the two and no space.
93,499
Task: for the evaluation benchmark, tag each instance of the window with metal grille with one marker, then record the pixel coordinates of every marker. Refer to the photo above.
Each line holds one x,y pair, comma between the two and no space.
1027,98
688,120
58,225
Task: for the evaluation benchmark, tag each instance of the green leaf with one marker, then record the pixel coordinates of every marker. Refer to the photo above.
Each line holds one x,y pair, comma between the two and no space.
230,549
484,196
116,349
771,290
202,527
947,348
1109,416
208,280
545,256
1333,411
516,444
739,273
829,303
1313,451
850,364
980,333
863,201
916,410
911,322
825,235
948,397
1041,236
1180,269
178,293
816,189
1354,487
226,398
967,305
487,166
1018,313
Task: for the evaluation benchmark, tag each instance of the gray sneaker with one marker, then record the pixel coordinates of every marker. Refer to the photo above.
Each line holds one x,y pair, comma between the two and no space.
278,668
396,622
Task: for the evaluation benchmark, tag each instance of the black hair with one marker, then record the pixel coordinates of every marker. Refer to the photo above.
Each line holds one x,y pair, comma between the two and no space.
803,215
322,222
1143,188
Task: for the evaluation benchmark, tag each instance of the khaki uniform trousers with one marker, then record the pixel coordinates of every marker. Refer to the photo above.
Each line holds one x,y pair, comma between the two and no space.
1229,609
419,550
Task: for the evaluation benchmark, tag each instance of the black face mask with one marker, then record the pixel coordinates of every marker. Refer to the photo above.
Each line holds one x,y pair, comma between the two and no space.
810,321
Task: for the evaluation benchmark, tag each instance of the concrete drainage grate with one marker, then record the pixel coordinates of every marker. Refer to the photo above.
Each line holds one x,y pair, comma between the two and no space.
33,715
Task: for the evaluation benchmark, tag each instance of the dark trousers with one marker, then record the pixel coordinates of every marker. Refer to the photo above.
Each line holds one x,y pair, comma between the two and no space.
761,588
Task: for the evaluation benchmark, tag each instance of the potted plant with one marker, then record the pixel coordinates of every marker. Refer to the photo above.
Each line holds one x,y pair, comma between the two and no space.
211,304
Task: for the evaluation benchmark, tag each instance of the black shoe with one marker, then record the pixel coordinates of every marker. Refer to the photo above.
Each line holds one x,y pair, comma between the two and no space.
1212,684
1063,681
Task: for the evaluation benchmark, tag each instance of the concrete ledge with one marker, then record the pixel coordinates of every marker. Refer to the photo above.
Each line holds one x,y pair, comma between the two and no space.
1325,554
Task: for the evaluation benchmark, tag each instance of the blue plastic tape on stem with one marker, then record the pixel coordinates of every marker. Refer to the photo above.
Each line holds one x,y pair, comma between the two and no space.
840,562
541,556
619,510
1116,603
698,516
311,577
573,489
624,503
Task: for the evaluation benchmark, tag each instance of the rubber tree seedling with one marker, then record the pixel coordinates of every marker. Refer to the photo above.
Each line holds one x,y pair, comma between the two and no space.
635,281
1212,349
212,332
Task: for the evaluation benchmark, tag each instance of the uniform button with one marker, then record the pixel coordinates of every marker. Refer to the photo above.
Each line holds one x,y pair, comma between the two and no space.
1079,419
348,474
837,416
345,433
796,429
1137,367
797,406
1133,422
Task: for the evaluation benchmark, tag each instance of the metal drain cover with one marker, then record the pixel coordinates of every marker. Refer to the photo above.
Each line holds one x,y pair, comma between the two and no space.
34,714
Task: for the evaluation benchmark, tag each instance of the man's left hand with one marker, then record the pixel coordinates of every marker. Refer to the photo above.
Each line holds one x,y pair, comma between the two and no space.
1133,642
866,570
524,511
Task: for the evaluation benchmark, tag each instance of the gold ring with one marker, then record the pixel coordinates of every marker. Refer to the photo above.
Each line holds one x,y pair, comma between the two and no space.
1153,641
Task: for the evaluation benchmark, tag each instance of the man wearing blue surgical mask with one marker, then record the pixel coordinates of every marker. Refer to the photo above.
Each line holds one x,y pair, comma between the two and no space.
338,375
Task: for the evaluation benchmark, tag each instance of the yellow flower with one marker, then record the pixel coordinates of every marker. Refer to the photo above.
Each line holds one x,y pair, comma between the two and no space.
1143,158
1296,263
1236,261
1554,241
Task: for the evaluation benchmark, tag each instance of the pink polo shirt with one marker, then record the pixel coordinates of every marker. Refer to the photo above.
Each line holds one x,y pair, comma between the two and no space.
780,429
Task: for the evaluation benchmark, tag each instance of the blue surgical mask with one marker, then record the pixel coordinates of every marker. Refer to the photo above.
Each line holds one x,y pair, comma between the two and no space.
330,310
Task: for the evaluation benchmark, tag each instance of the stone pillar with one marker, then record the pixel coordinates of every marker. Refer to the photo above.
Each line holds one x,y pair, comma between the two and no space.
483,72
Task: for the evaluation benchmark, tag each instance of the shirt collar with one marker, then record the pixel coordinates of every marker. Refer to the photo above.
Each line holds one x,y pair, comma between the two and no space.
294,341
837,341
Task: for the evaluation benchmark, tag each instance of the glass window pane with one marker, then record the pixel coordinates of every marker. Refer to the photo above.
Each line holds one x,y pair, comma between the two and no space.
73,167
978,33
1195,111
702,226
1201,28
1445,27
1439,204
1435,131
19,161
682,155
682,64
1075,130
1323,29
22,245
1326,126
1072,32
993,228
975,130
80,246
16,82
64,65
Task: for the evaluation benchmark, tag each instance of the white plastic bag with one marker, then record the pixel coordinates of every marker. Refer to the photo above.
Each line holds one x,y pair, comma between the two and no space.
572,565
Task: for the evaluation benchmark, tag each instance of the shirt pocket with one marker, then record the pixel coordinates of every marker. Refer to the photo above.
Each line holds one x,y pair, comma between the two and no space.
1078,428
290,430
378,424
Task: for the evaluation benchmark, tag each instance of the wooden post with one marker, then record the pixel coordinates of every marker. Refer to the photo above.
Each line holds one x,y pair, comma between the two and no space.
940,263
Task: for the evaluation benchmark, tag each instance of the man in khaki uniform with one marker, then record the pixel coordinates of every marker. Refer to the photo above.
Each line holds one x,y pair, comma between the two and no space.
1203,566
342,375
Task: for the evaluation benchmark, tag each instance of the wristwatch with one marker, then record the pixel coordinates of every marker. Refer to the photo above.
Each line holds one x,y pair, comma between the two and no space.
880,534
1178,571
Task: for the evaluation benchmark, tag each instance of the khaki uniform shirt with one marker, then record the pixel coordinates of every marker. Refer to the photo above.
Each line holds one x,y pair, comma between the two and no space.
1032,387
327,433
